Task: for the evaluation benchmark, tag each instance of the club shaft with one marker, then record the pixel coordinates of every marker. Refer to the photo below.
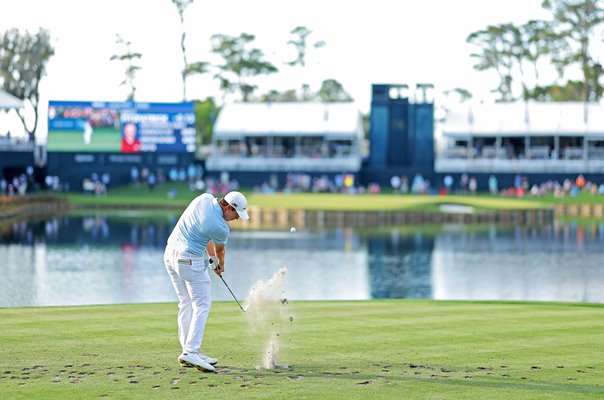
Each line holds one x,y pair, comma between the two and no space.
232,294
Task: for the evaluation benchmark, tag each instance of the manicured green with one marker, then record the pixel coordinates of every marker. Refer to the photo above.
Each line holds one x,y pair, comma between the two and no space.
181,196
381,349
370,202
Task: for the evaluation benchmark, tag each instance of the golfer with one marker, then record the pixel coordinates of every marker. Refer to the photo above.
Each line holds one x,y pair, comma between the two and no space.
201,232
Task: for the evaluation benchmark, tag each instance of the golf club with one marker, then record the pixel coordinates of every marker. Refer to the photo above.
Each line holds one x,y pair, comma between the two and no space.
225,284
232,294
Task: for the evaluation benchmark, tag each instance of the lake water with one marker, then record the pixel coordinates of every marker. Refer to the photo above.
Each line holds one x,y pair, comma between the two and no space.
100,259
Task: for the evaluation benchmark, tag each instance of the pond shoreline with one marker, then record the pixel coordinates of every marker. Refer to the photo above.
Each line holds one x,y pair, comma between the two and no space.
284,218
15,208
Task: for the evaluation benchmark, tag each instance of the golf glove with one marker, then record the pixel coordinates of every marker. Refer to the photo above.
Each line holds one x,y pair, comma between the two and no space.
213,260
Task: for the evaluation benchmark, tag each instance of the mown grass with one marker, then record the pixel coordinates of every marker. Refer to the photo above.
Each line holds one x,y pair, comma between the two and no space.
181,196
381,349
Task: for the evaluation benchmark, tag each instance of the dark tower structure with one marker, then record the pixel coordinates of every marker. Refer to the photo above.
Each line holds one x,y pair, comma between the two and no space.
402,132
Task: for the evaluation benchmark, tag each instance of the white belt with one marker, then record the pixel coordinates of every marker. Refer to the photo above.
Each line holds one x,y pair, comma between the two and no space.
187,254
183,253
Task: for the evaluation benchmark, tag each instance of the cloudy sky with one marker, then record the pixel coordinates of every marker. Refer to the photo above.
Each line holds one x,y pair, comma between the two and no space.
377,41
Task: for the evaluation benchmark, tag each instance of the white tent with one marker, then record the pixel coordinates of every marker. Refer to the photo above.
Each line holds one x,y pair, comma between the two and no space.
8,101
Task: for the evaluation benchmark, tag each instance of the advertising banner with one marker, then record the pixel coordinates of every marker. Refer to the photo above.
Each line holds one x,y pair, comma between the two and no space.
126,127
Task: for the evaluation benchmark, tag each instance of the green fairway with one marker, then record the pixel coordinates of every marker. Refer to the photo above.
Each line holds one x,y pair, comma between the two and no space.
129,196
335,350
370,202
102,139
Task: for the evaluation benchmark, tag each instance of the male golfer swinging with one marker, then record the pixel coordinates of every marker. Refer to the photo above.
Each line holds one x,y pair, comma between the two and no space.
201,229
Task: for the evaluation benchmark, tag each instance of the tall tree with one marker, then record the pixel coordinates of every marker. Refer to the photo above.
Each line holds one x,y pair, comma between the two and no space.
576,20
23,59
300,44
240,63
129,57
539,42
181,6
205,112
498,51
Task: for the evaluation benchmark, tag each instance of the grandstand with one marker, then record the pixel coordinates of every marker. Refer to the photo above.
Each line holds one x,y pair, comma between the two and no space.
530,138
287,137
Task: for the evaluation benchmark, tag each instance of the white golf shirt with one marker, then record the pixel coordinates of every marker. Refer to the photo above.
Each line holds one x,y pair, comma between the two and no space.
201,222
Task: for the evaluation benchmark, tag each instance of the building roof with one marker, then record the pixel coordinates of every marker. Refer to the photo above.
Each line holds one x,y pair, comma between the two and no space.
521,119
332,120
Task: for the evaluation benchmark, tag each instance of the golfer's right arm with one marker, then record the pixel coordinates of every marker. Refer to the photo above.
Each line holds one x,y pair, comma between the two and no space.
218,250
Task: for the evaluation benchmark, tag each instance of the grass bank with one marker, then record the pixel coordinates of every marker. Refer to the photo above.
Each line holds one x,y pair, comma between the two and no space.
178,196
335,350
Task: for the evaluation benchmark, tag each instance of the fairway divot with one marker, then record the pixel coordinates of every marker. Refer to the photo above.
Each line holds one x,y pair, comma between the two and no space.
365,383
535,367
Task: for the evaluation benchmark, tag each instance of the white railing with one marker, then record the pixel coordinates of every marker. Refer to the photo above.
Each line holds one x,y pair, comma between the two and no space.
520,166
299,164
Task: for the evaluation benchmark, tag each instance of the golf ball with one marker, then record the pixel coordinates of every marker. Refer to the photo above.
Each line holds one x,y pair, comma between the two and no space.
292,229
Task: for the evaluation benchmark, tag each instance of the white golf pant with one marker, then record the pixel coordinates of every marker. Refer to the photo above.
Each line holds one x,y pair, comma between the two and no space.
191,280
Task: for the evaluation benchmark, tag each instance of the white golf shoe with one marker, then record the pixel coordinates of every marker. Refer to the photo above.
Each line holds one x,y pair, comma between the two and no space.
194,360
208,359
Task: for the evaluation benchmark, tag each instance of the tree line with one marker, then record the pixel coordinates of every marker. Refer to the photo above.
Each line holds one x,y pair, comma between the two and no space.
567,42
515,53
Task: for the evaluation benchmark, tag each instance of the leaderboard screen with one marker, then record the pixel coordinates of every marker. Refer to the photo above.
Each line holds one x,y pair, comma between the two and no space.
126,127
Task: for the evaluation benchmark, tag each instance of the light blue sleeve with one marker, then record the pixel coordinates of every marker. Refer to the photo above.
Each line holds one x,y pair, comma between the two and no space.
221,236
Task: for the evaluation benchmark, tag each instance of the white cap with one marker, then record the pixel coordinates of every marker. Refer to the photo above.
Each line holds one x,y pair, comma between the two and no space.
239,203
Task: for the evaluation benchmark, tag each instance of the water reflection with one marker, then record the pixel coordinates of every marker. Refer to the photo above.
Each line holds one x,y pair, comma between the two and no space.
100,259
